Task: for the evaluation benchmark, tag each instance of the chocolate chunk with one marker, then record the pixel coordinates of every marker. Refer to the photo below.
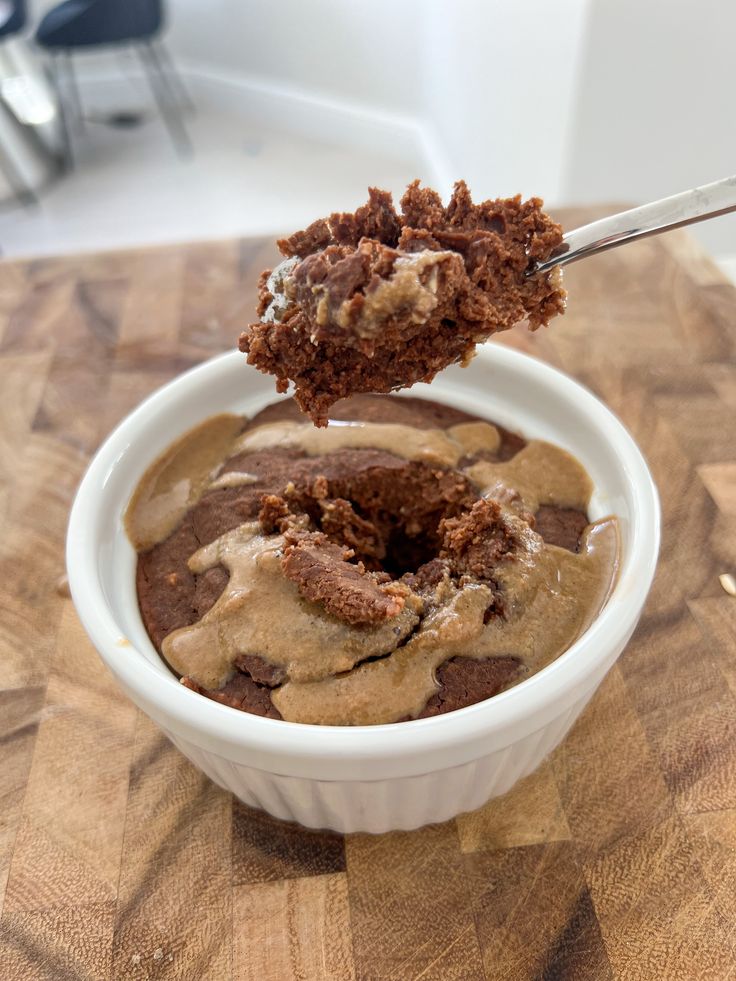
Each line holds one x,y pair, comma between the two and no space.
465,681
323,574
561,526
476,541
340,271
260,670
240,692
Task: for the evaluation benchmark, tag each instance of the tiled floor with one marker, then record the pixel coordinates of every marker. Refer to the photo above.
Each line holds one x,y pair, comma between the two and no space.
129,187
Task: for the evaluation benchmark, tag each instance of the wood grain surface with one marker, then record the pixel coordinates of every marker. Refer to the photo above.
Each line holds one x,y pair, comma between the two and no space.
119,860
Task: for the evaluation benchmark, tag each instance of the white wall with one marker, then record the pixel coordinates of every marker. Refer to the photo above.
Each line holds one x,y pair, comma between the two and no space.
365,52
656,105
361,51
465,70
499,85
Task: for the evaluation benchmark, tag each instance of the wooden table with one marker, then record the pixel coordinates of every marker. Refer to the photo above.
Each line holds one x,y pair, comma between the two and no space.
118,860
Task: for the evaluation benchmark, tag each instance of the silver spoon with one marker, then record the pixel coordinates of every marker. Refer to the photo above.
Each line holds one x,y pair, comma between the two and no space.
697,204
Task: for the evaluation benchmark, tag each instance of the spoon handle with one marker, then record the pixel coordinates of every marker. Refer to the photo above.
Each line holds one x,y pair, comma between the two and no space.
697,204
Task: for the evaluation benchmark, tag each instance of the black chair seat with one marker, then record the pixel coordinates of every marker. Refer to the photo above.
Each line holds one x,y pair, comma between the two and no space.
92,23
16,21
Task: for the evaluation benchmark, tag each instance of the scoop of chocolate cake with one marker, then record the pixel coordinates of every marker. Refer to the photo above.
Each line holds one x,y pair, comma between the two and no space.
378,300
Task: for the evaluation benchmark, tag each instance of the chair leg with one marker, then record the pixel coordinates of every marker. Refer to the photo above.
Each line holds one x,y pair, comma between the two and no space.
25,194
74,96
174,78
66,143
166,100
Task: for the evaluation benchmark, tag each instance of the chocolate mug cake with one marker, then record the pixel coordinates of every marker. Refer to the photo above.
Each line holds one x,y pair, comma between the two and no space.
409,560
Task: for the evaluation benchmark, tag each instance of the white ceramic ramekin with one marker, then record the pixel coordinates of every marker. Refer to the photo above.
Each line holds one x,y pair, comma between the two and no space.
366,778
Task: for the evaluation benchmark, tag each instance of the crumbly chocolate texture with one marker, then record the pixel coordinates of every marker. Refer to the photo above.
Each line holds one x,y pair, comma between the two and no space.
428,520
324,574
378,300
400,504
475,542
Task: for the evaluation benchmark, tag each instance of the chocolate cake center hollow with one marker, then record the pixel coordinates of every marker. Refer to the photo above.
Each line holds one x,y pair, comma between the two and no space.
390,516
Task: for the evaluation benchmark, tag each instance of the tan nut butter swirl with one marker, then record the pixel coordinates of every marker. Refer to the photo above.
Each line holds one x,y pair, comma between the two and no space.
233,478
261,612
411,288
541,473
177,479
568,592
552,599
444,447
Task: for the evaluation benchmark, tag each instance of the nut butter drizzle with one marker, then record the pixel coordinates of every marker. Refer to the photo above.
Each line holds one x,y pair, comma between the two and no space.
541,473
444,447
411,288
177,479
260,611
551,600
568,591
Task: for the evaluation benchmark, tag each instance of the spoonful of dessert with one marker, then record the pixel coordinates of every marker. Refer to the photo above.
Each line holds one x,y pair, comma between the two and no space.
380,299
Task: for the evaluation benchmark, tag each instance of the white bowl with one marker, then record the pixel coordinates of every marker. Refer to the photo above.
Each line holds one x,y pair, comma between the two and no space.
366,778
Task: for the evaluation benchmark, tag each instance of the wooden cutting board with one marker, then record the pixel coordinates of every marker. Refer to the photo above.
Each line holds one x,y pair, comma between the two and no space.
118,860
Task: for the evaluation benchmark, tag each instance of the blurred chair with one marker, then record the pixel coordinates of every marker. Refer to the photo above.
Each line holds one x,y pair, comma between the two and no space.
17,144
84,24
12,17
